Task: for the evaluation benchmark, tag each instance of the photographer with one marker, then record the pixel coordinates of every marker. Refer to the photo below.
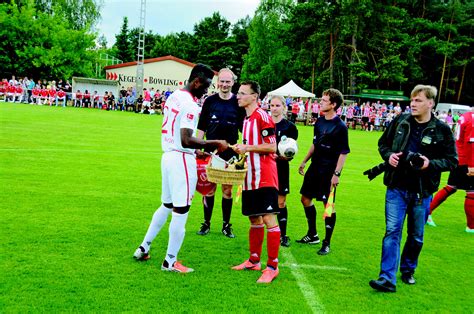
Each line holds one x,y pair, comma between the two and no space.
411,179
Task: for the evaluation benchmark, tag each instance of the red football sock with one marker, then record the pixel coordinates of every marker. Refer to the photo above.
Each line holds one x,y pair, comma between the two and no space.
441,196
273,245
256,235
469,209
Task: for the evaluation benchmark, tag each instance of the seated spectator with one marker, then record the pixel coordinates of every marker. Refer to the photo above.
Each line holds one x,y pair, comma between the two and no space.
95,100
121,103
52,95
111,100
87,99
78,101
61,98
157,101
10,92
106,100
130,102
3,89
139,103
18,92
44,95
35,95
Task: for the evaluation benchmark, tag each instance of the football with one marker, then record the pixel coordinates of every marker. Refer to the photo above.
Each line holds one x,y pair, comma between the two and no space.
287,147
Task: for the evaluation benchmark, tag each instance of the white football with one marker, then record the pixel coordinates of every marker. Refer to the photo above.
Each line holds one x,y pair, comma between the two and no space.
287,147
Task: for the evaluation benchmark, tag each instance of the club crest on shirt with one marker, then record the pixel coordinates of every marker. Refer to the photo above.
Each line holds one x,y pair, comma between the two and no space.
264,132
190,116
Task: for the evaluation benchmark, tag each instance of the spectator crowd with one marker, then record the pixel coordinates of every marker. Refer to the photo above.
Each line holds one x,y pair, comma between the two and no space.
60,93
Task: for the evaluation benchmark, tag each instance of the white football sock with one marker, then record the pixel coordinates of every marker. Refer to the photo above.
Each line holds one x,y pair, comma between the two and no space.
159,218
177,231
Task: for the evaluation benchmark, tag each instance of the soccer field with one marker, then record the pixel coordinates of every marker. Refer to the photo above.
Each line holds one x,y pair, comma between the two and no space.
79,187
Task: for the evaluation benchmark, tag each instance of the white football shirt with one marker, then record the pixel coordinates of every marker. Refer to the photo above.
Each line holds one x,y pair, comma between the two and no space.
181,111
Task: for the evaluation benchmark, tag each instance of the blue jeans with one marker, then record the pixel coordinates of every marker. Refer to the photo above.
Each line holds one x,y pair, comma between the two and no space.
398,204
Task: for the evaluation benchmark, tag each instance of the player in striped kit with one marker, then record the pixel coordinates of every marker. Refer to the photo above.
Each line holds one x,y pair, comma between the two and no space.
260,190
178,166
462,177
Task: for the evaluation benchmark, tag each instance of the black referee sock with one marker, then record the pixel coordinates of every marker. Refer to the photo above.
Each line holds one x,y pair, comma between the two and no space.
310,213
226,209
208,207
330,224
282,220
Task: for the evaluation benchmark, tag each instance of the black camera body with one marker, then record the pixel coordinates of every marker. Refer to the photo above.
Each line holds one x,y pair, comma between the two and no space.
414,160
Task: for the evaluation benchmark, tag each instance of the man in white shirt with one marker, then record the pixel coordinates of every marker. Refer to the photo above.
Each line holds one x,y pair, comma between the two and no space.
178,165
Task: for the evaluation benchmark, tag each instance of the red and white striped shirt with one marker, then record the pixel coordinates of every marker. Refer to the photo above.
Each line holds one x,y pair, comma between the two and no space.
465,139
258,129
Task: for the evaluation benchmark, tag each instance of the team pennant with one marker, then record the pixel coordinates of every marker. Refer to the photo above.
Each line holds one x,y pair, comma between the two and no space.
330,205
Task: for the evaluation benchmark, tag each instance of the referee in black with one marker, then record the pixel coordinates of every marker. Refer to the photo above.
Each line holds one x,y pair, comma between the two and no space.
221,118
283,128
328,154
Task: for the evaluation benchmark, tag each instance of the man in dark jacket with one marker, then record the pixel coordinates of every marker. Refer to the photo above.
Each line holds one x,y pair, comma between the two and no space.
417,148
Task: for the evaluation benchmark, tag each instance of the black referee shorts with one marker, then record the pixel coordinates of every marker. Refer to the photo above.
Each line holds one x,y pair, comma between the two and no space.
283,168
316,185
459,179
260,202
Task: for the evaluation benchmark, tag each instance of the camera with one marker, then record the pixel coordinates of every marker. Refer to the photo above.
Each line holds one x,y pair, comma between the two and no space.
375,171
411,160
414,160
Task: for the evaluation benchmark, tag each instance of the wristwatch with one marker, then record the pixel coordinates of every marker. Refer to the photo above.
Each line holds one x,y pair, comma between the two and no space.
337,173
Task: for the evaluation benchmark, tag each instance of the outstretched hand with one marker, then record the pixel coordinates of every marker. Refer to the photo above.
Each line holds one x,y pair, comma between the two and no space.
221,145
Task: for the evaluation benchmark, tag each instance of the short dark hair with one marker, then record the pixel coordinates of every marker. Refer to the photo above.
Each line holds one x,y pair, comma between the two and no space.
335,96
201,71
253,85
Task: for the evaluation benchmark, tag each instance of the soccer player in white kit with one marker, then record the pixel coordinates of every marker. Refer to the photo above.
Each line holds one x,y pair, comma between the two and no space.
178,166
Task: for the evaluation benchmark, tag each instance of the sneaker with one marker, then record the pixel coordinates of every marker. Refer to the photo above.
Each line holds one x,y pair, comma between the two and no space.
383,285
325,249
285,241
205,228
140,254
248,265
408,278
430,221
178,268
268,275
469,230
227,231
307,239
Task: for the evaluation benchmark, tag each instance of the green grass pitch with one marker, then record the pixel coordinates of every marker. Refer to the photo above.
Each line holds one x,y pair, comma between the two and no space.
79,187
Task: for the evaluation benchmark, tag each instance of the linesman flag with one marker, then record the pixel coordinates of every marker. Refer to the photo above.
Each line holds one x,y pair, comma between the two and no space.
331,204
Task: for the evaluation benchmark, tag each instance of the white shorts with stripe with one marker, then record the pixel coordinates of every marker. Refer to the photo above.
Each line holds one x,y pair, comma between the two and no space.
178,178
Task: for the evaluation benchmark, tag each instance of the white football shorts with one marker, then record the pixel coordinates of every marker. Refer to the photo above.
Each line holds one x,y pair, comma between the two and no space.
178,178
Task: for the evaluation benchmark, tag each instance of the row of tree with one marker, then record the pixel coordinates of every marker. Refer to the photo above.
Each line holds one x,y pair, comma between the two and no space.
355,44
347,44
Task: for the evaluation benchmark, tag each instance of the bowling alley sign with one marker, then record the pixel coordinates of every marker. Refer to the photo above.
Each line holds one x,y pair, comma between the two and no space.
160,73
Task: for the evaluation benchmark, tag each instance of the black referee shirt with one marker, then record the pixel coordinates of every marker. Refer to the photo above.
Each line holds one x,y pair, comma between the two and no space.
221,119
330,140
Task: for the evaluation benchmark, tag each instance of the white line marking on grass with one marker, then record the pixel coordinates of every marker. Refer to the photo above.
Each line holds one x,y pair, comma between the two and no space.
313,267
312,298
